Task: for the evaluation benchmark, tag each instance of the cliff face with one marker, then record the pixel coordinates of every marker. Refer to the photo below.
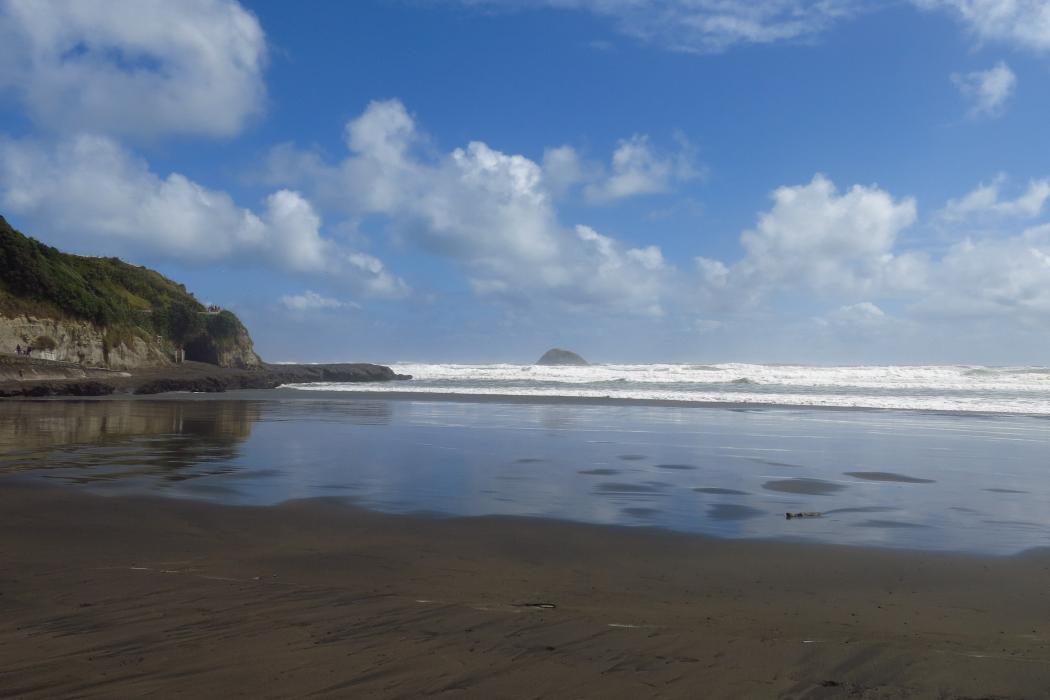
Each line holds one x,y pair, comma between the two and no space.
104,312
226,343
81,342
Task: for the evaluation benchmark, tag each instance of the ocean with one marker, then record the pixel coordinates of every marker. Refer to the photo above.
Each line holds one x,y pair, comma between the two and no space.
965,388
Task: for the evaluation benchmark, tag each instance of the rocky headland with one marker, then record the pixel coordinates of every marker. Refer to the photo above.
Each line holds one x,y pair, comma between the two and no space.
101,326
27,378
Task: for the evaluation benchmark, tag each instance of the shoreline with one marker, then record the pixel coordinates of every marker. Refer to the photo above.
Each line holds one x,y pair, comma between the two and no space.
182,597
28,378
743,406
279,392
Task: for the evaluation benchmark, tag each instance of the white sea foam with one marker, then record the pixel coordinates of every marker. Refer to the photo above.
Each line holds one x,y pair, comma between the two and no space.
935,388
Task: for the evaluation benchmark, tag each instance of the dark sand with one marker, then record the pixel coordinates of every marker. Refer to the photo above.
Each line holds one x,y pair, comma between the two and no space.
124,597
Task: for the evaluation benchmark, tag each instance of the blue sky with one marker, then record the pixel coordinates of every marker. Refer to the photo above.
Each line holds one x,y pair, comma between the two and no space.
640,180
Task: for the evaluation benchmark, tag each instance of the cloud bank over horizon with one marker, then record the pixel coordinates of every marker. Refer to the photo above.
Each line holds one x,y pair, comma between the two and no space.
560,232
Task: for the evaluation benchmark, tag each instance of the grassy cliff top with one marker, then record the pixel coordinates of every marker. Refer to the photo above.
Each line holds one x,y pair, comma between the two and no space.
42,281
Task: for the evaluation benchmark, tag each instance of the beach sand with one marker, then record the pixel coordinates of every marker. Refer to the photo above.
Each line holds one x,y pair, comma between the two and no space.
131,596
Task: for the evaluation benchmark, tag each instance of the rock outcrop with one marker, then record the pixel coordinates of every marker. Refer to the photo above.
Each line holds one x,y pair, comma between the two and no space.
21,377
557,356
81,342
104,312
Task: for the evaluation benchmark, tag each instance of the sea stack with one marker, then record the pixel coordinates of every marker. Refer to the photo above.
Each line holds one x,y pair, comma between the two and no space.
557,356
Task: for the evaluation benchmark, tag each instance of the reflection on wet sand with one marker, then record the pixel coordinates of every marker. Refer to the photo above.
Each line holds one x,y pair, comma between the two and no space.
95,440
808,487
889,476
732,511
635,466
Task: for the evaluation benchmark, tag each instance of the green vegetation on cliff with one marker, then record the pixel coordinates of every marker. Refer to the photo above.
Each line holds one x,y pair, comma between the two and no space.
41,281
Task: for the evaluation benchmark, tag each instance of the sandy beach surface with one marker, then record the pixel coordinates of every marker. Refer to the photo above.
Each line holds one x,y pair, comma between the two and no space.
138,596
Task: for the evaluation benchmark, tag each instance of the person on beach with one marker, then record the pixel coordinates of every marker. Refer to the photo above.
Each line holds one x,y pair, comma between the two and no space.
18,349
29,350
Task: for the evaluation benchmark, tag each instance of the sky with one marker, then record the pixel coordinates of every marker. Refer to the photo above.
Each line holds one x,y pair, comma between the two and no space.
823,182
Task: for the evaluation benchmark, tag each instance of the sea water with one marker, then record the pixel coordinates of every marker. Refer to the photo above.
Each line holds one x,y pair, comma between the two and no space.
931,388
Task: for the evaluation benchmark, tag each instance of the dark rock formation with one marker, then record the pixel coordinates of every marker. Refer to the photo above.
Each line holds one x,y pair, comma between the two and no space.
557,356
15,381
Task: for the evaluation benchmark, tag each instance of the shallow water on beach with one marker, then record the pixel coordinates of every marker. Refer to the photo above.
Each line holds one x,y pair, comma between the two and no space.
973,483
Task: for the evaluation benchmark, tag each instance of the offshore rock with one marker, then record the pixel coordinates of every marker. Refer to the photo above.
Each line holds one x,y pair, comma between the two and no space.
557,356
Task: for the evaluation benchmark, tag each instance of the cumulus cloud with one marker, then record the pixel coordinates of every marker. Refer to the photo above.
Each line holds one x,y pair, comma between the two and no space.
141,68
638,169
985,201
862,315
312,301
491,211
987,90
564,169
845,247
708,26
1024,23
816,239
89,187
995,278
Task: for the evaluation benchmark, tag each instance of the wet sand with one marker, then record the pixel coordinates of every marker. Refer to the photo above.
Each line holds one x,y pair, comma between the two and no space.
127,596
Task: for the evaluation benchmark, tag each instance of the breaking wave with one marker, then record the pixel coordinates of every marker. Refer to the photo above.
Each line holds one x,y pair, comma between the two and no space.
933,387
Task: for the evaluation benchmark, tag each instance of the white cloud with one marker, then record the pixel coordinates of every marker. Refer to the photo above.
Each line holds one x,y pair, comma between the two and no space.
563,169
708,26
863,315
312,301
987,90
818,240
845,247
997,279
134,67
985,201
89,187
637,169
1025,23
491,211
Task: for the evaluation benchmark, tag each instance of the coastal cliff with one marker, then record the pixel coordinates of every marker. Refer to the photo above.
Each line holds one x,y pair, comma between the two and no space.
100,326
104,312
